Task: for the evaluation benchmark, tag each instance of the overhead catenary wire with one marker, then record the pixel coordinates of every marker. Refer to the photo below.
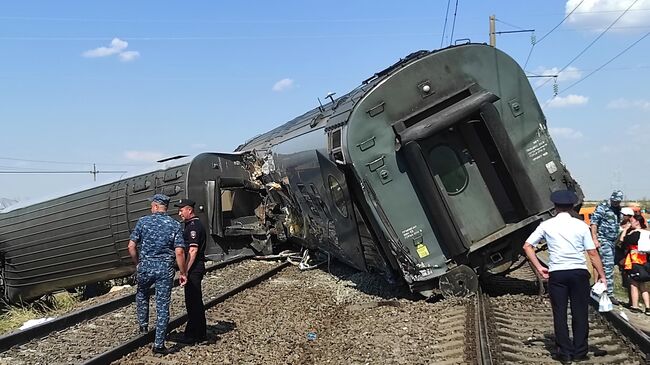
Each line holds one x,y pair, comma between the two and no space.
62,172
93,172
265,21
508,24
453,24
606,63
260,37
69,162
444,28
549,32
591,44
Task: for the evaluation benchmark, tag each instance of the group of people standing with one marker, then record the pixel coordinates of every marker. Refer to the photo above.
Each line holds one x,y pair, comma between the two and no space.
616,231
158,240
155,243
567,239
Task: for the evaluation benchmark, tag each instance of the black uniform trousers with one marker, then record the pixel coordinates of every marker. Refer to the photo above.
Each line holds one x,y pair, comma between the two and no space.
196,324
573,285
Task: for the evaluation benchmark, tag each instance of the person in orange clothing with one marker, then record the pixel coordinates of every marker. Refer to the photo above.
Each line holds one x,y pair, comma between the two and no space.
630,239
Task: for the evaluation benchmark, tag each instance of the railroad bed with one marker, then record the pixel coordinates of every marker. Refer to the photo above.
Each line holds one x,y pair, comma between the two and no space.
521,332
353,317
342,317
85,340
519,326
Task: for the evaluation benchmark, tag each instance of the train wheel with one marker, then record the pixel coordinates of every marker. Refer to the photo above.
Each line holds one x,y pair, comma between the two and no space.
460,281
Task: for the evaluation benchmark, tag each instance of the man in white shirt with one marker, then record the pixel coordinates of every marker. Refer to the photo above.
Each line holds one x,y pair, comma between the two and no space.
568,279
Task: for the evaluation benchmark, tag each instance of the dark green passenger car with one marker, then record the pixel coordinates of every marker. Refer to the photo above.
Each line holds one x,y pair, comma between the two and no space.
434,169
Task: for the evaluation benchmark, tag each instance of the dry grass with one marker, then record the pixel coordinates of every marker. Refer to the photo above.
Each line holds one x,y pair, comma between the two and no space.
620,292
13,316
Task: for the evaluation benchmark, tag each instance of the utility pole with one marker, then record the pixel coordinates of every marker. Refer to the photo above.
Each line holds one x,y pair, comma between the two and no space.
493,31
493,36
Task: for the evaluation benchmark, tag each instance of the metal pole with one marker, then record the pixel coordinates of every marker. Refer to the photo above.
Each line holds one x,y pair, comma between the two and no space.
493,38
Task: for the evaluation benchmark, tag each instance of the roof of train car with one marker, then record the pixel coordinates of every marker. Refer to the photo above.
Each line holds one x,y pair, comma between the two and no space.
28,202
164,166
344,102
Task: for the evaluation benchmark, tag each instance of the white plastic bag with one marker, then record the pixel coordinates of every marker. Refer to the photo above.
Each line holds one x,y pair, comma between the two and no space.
599,288
644,241
604,304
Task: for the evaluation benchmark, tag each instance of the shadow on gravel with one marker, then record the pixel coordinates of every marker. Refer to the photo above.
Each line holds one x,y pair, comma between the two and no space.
213,334
495,285
219,328
369,283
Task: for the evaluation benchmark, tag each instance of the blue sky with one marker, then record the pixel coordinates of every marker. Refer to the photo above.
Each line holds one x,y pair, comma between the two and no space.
124,83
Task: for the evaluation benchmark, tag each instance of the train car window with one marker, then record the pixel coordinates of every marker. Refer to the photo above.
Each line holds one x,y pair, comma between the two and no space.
336,139
445,163
141,185
336,150
337,196
226,200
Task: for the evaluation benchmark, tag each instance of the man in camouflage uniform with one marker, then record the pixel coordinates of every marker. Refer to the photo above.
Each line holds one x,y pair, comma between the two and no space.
158,238
604,231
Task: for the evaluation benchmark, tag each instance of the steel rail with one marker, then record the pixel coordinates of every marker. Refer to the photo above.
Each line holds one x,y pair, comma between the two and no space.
20,337
145,338
635,335
483,353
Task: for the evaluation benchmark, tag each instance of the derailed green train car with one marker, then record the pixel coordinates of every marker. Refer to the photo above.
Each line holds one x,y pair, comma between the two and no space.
82,237
433,170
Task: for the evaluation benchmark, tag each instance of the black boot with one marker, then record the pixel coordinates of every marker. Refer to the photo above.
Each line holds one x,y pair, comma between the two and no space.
161,350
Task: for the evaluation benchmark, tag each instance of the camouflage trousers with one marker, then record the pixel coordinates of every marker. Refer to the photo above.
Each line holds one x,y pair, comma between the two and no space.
606,251
160,273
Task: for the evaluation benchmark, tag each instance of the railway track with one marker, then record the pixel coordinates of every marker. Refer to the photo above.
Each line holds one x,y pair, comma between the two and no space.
93,308
313,317
518,328
100,336
344,317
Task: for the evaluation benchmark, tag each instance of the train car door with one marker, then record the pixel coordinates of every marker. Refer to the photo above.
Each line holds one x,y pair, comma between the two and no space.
342,219
455,170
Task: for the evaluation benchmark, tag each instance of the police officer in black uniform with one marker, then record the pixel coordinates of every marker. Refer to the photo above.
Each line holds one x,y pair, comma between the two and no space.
194,236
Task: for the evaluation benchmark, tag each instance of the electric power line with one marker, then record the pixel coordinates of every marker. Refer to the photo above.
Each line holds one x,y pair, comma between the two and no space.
606,63
266,21
93,172
63,172
508,24
255,38
69,162
444,28
591,44
453,26
549,32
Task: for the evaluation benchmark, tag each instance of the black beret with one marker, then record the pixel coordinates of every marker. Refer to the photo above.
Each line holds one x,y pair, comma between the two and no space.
564,197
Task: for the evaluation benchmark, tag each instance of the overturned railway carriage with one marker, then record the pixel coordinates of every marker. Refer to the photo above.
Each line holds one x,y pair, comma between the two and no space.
82,237
434,169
